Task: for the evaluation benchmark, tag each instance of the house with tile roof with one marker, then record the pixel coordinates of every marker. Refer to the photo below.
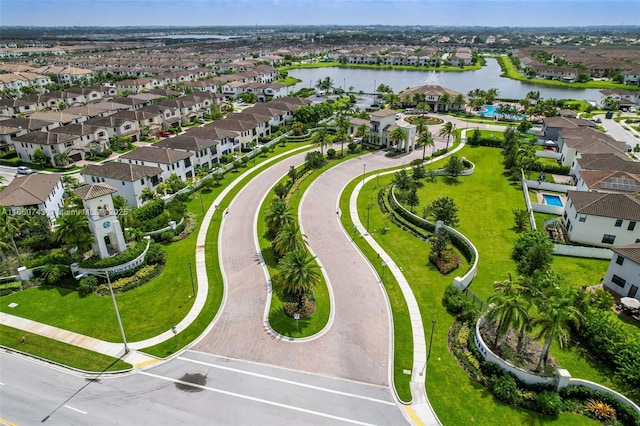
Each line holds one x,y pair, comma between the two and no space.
572,143
552,126
50,143
171,161
623,274
38,193
602,219
608,181
204,150
431,95
129,180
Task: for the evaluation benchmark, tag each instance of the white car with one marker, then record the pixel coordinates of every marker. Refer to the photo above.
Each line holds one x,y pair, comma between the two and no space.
23,170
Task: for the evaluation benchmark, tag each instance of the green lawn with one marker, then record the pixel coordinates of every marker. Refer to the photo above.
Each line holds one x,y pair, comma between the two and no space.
61,353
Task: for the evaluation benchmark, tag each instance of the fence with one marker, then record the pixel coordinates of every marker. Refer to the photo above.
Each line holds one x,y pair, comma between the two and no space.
549,154
580,251
548,186
545,208
527,201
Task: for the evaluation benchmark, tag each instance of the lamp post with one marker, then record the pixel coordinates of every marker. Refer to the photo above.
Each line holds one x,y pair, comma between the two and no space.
193,287
424,369
115,305
369,206
364,172
355,229
201,205
383,265
377,180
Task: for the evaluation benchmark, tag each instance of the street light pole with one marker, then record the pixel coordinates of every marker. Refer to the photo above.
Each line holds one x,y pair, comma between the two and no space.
364,172
369,206
201,205
355,228
193,288
424,369
377,180
115,305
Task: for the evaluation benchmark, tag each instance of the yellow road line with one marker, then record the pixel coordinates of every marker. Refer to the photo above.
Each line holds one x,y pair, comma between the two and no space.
6,422
144,364
413,415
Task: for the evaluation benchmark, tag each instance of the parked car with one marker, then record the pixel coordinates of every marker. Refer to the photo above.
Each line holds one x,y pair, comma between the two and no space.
163,133
23,170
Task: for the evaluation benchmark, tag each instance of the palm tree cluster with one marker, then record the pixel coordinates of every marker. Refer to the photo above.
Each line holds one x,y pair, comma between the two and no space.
535,106
479,97
298,270
518,153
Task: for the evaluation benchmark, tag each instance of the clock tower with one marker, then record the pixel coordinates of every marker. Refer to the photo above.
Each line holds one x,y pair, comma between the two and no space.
97,200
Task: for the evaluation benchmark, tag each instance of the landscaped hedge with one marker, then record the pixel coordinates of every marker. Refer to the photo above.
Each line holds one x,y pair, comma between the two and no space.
150,210
10,287
492,143
556,170
56,257
116,260
580,394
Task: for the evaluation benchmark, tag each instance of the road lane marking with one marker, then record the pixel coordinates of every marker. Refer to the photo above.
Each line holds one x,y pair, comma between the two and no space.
145,363
6,422
276,379
259,400
74,409
413,415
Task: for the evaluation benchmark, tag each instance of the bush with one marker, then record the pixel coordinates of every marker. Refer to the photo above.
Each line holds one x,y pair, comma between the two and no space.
150,210
331,153
87,284
505,389
549,402
10,287
155,254
116,260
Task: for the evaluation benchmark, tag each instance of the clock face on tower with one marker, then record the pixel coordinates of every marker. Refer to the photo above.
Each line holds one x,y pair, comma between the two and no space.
106,224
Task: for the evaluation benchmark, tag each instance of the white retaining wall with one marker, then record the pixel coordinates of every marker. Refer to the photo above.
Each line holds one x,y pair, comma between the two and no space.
113,269
549,154
579,251
598,387
545,208
548,186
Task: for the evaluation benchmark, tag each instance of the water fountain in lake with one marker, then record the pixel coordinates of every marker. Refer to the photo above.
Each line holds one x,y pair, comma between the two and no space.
432,78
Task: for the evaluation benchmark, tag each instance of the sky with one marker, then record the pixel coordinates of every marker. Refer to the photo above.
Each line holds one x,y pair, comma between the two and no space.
513,13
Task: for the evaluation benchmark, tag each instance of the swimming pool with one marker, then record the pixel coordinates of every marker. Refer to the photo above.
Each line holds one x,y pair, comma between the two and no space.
552,200
490,111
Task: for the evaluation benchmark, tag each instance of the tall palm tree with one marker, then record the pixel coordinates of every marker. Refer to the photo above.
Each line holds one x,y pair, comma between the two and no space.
299,273
447,130
342,123
491,95
555,317
10,226
278,216
319,137
72,229
421,125
147,194
398,135
288,239
509,311
426,139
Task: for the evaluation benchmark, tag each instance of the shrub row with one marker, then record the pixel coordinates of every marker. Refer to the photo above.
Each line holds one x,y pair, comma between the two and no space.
116,260
10,287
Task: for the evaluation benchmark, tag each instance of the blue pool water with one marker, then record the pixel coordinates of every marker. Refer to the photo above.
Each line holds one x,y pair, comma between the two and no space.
490,111
552,200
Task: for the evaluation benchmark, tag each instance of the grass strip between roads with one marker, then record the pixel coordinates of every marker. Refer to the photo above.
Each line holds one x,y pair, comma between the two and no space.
59,352
278,320
214,274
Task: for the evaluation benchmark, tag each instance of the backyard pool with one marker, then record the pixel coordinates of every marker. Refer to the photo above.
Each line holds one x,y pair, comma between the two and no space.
552,200
490,111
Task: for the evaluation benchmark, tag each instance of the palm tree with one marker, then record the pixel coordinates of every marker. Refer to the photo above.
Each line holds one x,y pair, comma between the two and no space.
72,228
555,317
491,95
319,137
342,123
277,216
447,130
458,101
445,100
299,273
509,311
421,125
398,135
147,194
426,139
289,239
10,226
363,132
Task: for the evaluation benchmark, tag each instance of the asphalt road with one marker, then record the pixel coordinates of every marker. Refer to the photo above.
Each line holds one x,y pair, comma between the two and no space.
194,389
8,173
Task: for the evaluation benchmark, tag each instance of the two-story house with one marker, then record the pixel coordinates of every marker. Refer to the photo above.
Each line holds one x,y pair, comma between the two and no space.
49,142
601,218
203,150
623,274
171,161
44,193
573,143
129,180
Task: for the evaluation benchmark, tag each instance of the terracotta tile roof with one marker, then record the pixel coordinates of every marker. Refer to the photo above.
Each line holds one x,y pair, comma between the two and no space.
621,206
384,112
189,143
29,190
611,180
94,190
121,171
610,161
631,252
45,138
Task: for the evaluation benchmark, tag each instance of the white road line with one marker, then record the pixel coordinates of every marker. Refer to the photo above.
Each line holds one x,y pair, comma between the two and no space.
260,400
75,409
276,379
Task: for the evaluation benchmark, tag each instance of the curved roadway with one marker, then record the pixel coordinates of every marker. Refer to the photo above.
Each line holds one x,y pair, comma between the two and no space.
357,345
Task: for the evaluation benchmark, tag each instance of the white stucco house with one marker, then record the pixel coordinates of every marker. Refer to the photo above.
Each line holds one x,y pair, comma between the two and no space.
602,219
37,193
169,160
623,274
127,179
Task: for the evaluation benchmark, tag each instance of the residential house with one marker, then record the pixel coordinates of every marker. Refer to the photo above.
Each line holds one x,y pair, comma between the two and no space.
129,180
622,98
227,141
39,193
623,274
574,142
552,126
608,181
50,143
191,107
117,126
91,137
17,107
138,85
171,161
203,150
247,131
601,218
170,115
463,56
431,95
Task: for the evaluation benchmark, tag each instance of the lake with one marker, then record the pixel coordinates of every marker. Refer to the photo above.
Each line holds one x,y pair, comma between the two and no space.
487,77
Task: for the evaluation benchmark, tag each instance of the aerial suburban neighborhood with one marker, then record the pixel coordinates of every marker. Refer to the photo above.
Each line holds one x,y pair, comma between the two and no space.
319,224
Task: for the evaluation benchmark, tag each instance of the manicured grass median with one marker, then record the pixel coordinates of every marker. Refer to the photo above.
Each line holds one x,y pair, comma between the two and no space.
58,352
